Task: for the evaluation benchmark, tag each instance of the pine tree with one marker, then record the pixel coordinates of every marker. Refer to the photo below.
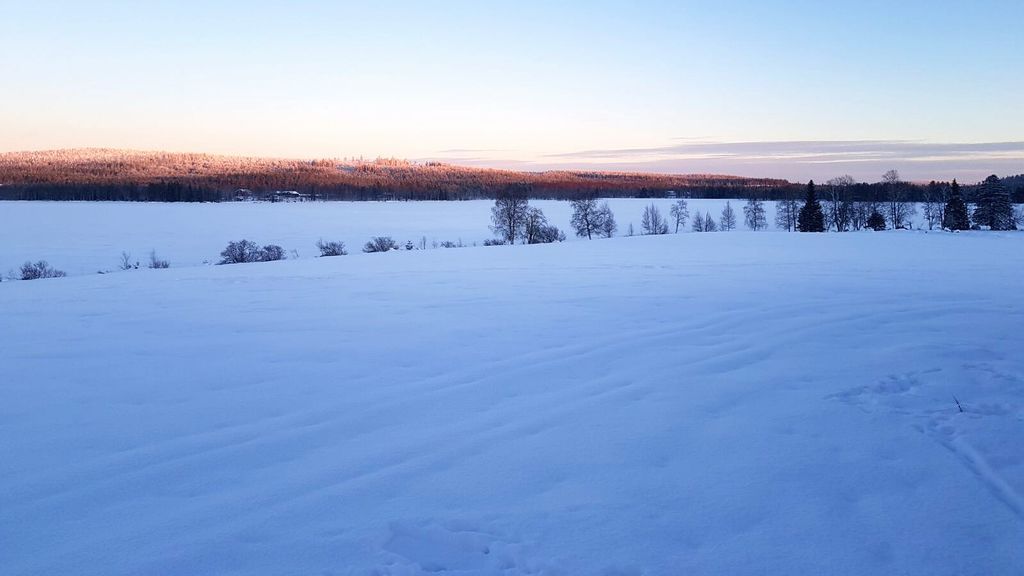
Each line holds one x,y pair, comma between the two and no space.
811,218
994,208
956,217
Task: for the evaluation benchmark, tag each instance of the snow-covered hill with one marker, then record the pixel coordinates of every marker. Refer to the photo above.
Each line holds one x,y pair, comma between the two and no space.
743,403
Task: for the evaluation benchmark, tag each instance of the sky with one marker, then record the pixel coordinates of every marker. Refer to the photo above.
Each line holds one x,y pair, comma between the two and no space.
797,89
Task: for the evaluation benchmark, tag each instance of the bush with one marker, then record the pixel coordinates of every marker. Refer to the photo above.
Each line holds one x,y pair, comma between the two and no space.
331,248
380,244
40,269
548,234
126,262
494,242
240,252
155,262
450,244
245,251
271,252
876,221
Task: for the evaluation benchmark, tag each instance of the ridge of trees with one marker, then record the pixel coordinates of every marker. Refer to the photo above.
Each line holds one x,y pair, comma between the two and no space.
106,174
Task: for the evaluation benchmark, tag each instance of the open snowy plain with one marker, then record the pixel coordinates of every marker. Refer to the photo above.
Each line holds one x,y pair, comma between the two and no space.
741,403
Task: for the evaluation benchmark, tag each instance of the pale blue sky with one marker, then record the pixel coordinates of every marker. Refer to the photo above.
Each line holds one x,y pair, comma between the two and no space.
726,86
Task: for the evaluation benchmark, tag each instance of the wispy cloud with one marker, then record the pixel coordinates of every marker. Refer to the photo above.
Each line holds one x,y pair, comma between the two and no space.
472,150
795,160
802,159
807,150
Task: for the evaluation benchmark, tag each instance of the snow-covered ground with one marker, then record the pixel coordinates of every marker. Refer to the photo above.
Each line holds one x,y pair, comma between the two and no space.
85,237
744,403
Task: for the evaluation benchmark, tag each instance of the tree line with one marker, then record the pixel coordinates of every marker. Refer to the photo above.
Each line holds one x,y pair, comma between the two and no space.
119,175
945,206
165,177
892,205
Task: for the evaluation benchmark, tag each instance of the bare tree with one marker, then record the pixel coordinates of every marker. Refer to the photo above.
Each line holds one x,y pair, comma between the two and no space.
786,213
698,222
837,205
754,215
534,225
859,213
508,216
728,220
608,225
934,205
679,213
652,222
587,217
898,207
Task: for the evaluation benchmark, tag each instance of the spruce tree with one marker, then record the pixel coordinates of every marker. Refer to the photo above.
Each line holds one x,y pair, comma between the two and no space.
956,217
994,208
811,218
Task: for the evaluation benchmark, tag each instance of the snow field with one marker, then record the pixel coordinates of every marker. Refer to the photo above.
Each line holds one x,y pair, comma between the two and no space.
742,403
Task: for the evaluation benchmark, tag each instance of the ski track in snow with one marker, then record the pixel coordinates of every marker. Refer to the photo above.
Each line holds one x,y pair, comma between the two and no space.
941,420
741,403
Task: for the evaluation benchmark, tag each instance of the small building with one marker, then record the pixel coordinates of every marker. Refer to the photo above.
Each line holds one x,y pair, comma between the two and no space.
287,196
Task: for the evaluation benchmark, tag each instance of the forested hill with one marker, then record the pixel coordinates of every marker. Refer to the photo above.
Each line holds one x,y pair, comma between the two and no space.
104,174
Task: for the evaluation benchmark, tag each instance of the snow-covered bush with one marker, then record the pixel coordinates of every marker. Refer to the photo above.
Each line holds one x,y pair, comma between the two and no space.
380,244
240,252
271,252
245,251
40,269
331,248
537,230
547,234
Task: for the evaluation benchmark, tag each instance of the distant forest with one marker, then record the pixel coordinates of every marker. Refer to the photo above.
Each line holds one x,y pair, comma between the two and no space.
120,175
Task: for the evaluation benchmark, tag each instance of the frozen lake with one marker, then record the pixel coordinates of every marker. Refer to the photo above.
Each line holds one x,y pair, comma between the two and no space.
85,237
